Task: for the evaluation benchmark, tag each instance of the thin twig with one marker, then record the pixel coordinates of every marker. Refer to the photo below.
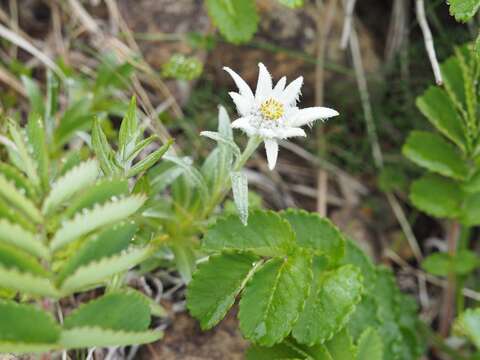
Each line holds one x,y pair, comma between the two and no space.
428,39
347,25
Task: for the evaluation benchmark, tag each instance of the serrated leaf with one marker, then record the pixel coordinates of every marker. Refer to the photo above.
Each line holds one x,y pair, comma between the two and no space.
216,284
13,258
16,325
274,297
436,196
101,245
329,305
103,150
355,256
118,311
77,338
129,132
463,10
10,193
11,173
439,109
236,20
96,272
266,234
221,139
77,179
468,324
452,75
150,160
15,235
316,233
370,346
98,193
288,350
432,152
106,214
36,138
240,194
26,283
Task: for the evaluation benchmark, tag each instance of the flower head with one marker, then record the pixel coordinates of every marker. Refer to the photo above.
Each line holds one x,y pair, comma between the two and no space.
271,112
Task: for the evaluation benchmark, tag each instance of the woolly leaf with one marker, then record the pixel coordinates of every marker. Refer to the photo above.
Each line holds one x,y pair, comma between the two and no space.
192,175
104,244
236,20
95,273
15,235
316,233
77,179
119,311
150,160
266,234
103,215
439,109
129,131
216,284
240,194
103,150
329,305
221,139
432,152
274,297
436,196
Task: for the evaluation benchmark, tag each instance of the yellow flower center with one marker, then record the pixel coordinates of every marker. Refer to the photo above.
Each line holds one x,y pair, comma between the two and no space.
271,109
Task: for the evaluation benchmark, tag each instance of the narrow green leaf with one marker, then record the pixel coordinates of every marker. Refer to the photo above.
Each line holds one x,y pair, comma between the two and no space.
26,283
77,117
191,174
16,325
34,94
78,338
106,243
52,103
222,140
103,150
216,284
432,152
36,138
96,272
316,233
274,297
77,179
129,131
13,234
90,220
370,346
436,196
236,20
329,305
11,173
150,160
266,234
11,194
118,311
240,194
439,109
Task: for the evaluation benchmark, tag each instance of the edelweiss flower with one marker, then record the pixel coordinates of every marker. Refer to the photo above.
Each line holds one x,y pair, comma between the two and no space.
272,113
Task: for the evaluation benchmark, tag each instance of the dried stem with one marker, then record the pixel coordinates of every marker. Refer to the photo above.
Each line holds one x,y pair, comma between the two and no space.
347,25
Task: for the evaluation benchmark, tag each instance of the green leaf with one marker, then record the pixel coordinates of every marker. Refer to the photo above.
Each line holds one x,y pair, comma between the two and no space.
34,94
329,305
432,152
266,234
129,131
95,273
104,244
15,235
26,283
292,3
463,10
150,160
470,213
191,174
102,148
84,337
452,74
240,194
468,324
77,117
274,297
13,258
370,346
216,284
36,138
25,324
52,102
316,233
341,346
439,109
103,215
99,193
221,139
11,173
236,20
288,350
436,196
119,311
442,264
77,179
11,194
